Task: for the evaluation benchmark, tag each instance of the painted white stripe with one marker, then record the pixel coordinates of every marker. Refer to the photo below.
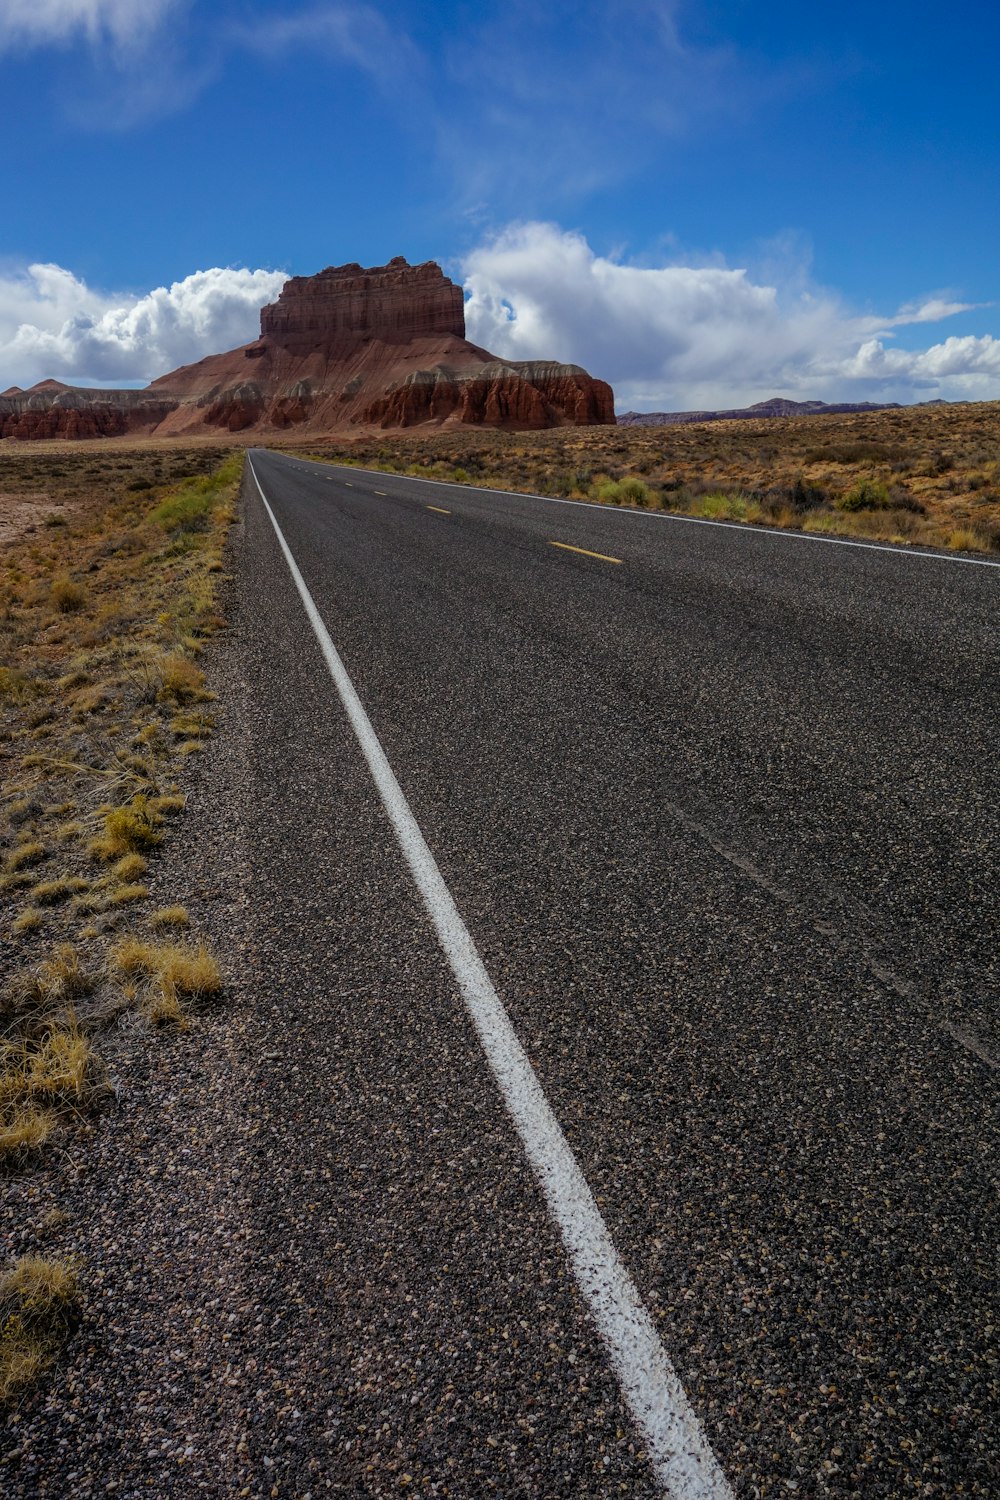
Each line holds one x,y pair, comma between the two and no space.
747,528
677,1446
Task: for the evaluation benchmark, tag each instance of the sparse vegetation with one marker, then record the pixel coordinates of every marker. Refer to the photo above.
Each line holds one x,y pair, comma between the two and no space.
170,916
39,1308
128,830
102,619
927,476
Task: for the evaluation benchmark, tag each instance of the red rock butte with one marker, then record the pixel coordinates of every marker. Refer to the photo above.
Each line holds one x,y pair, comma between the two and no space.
345,349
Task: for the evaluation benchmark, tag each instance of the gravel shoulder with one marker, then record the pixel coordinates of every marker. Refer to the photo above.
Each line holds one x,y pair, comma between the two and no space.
315,1260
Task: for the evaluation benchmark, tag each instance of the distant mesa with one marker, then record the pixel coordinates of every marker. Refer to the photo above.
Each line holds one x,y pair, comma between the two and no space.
777,406
351,347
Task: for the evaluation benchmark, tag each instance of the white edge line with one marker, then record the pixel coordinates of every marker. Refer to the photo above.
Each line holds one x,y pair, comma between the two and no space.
776,532
678,1448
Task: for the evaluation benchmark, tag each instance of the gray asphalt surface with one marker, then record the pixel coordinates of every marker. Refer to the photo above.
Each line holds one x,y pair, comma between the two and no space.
722,820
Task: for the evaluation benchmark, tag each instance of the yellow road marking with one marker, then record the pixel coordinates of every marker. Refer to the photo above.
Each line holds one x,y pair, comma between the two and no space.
380,492
439,510
599,555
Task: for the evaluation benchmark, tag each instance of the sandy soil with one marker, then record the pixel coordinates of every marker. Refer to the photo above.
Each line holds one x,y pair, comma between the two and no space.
20,513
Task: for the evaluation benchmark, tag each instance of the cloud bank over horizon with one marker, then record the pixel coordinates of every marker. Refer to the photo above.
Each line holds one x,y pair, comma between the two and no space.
667,337
679,336
53,325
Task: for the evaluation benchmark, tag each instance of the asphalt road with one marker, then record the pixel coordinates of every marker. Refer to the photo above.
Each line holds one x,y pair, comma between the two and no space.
719,808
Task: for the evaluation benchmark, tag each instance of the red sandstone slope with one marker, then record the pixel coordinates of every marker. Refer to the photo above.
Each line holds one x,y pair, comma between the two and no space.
380,347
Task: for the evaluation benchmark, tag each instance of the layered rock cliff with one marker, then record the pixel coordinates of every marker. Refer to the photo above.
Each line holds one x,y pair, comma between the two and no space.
393,303
348,348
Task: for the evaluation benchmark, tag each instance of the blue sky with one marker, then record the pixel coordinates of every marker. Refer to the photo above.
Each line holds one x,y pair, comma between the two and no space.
705,203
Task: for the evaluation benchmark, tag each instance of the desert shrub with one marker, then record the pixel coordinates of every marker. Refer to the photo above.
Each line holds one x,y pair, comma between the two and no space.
68,596
628,491
634,491
803,496
721,507
867,494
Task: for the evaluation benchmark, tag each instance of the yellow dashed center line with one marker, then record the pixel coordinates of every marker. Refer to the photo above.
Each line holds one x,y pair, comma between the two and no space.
439,510
601,557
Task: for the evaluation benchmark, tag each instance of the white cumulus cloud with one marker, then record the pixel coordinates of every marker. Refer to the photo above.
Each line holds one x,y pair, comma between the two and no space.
695,336
53,324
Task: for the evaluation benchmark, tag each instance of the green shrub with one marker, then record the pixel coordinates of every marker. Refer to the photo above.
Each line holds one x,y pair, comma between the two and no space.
623,492
867,494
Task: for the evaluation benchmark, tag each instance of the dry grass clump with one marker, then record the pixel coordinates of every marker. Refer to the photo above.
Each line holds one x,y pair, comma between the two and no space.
23,856
130,867
127,830
169,916
56,980
183,681
59,1067
51,892
191,970
28,920
39,1308
176,975
24,1129
126,893
43,1074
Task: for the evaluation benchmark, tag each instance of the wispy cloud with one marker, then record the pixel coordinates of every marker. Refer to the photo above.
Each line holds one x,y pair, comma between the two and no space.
54,324
680,335
356,34
122,24
551,102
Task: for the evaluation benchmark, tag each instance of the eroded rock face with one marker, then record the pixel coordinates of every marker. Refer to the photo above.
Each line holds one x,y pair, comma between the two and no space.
383,346
521,395
50,411
395,304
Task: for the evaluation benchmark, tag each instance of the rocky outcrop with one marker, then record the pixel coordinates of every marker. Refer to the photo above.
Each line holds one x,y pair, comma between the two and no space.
44,412
394,303
349,347
522,395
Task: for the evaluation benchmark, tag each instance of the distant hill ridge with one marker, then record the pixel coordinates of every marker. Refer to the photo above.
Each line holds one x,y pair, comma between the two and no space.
777,406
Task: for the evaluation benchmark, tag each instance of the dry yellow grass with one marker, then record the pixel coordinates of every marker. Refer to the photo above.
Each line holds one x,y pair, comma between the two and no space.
127,893
28,920
51,892
191,970
58,979
24,1129
101,622
39,1305
130,867
169,916
41,1286
68,596
128,830
183,681
60,1067
25,855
